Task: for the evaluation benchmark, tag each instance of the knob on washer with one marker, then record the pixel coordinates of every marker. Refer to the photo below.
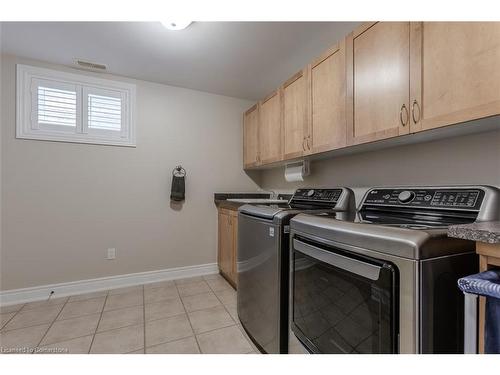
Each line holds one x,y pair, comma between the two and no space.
406,196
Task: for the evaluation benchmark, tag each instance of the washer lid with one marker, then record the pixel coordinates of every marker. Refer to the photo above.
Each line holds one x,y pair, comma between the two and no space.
262,211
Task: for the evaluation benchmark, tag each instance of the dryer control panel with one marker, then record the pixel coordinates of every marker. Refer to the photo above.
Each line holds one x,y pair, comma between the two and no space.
452,198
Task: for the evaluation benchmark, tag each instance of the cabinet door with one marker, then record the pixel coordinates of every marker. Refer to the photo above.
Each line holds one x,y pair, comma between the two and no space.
270,129
378,81
455,72
328,124
295,115
225,253
251,137
234,227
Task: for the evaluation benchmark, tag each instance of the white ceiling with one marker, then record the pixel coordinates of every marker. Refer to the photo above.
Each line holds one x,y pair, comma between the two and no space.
240,59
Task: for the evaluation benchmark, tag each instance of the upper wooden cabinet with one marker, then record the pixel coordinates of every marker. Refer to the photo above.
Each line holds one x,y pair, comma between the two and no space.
251,137
270,129
327,129
386,79
295,115
378,81
455,72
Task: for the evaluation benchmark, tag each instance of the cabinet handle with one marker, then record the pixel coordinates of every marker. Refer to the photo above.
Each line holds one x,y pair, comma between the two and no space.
415,104
307,142
407,115
303,144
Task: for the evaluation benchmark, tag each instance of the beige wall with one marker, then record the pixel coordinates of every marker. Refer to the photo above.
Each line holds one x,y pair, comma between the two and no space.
65,204
471,159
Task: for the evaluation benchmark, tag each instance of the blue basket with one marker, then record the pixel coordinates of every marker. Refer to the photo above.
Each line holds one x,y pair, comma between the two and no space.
487,284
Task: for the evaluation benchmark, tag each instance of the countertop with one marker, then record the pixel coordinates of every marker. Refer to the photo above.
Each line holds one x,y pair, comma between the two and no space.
220,199
488,231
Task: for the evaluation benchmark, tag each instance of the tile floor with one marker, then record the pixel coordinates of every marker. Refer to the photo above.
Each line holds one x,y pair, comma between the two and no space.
196,315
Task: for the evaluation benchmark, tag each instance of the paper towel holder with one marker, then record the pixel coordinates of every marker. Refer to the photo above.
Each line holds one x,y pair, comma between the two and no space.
303,166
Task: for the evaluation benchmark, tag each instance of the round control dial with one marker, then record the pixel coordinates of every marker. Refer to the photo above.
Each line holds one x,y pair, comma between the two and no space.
310,193
406,196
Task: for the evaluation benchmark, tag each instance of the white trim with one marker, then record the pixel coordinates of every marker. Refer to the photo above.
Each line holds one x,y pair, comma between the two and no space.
37,293
24,111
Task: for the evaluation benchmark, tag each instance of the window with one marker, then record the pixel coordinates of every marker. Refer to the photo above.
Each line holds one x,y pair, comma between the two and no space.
104,112
68,107
56,106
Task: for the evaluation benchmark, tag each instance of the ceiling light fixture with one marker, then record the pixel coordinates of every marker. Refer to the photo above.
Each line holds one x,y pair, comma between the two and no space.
174,25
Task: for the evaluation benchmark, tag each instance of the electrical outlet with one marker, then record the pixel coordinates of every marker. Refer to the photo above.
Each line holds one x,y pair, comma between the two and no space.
111,253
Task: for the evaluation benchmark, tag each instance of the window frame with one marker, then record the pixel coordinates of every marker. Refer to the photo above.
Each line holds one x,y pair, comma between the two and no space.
27,127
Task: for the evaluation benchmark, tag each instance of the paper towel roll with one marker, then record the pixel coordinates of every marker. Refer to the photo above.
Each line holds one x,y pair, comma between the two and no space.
296,171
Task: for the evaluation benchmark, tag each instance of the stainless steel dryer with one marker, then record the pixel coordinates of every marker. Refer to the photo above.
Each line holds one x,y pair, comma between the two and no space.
387,282
263,261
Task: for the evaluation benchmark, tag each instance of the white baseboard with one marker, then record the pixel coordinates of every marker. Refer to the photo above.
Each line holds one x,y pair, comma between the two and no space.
37,293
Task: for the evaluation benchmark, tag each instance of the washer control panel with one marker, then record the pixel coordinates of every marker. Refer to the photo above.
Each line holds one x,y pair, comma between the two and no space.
453,198
321,195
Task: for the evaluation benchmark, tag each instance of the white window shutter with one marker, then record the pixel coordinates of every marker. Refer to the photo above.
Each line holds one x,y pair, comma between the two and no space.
34,106
125,133
56,106
104,112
